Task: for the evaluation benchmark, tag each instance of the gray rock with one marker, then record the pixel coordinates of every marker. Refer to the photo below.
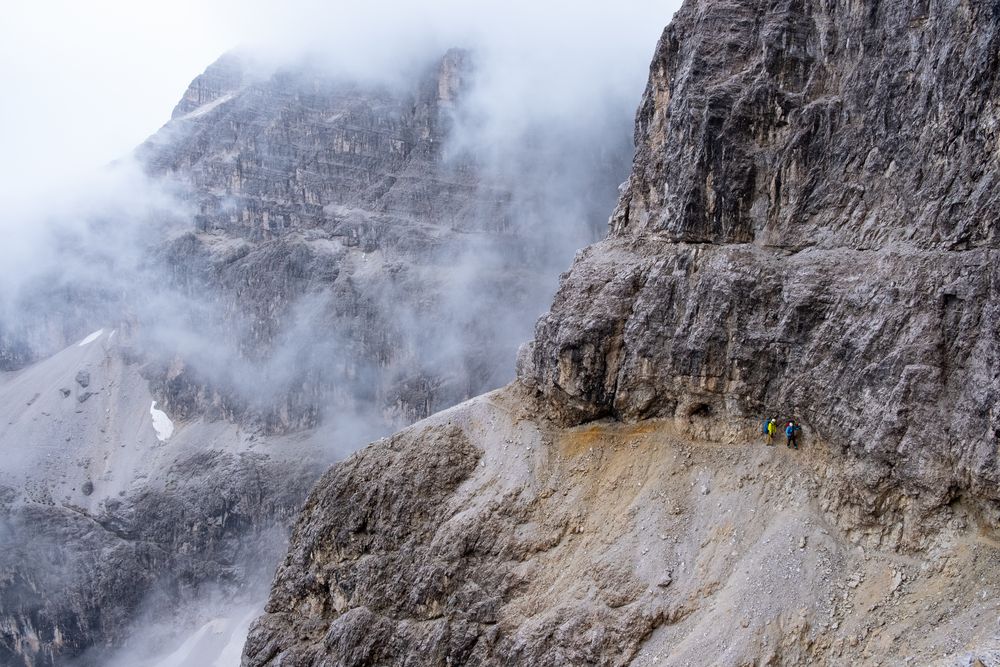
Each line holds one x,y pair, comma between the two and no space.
789,242
219,524
341,214
809,230
83,379
339,270
356,512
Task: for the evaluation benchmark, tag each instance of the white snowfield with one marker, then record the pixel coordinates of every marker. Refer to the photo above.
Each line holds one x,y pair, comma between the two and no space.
161,423
91,338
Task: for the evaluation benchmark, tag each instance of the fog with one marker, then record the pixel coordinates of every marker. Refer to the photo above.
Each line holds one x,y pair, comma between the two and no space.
547,119
89,81
94,237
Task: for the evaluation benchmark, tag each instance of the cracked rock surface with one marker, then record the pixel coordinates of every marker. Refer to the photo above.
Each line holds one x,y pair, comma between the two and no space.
809,232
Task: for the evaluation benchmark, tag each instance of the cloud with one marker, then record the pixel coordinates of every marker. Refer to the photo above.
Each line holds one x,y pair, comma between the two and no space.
547,119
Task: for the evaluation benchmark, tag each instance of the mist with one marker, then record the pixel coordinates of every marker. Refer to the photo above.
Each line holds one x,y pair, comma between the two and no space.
546,118
364,320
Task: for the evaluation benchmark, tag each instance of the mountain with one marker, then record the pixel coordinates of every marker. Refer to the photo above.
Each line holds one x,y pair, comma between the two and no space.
324,204
809,233
325,262
111,513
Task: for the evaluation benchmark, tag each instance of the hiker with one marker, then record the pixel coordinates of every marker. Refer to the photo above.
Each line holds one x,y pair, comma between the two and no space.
764,425
790,431
772,428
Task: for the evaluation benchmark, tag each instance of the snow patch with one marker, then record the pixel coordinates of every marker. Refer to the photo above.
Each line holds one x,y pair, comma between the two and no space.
161,423
91,338
205,108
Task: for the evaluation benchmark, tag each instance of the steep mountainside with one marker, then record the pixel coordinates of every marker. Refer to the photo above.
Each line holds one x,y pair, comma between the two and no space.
332,140
110,511
809,232
321,203
828,252
328,205
322,274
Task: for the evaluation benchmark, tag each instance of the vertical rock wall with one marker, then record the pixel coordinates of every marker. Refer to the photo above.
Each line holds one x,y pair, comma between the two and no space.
809,232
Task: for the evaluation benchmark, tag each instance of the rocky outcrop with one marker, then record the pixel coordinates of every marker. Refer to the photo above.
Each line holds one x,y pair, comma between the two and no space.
483,536
874,352
74,583
830,126
808,232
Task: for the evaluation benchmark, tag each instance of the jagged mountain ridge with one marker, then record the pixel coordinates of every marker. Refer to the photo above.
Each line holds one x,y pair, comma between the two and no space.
330,141
331,280
340,199
809,232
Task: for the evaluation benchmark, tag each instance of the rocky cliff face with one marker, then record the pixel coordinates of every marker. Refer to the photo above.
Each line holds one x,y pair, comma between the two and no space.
809,232
336,142
325,204
325,270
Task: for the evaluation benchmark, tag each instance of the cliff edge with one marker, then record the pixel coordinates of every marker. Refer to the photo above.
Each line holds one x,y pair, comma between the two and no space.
809,232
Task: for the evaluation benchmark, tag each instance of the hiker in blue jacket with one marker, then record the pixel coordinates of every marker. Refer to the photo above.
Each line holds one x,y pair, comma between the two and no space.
790,432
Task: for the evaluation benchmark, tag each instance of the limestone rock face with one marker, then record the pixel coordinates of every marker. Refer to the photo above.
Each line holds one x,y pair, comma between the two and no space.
347,260
331,205
809,231
830,126
323,204
328,268
223,78
335,142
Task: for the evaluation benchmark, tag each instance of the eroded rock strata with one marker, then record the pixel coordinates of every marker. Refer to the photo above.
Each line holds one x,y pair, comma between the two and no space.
809,231
324,273
352,253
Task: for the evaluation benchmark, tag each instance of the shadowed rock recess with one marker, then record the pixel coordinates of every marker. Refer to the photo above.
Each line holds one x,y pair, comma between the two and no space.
810,231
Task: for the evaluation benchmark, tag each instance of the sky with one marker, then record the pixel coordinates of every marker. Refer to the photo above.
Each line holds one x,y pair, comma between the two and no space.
85,82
